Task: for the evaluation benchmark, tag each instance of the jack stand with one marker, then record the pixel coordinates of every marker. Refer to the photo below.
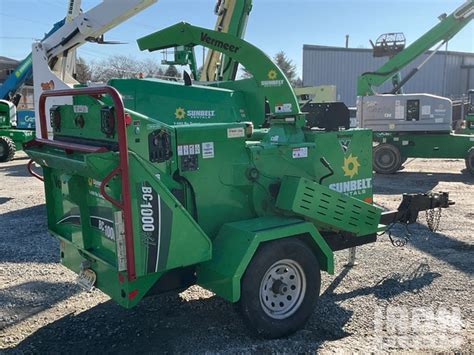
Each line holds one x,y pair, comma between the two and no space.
352,258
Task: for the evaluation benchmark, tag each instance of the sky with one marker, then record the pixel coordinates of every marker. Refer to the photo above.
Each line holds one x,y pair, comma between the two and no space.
274,25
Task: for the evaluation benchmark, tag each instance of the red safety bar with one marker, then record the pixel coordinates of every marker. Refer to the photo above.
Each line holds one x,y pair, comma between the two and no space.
122,169
30,170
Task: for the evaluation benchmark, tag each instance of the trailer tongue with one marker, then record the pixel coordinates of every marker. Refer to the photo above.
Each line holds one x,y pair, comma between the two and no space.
154,186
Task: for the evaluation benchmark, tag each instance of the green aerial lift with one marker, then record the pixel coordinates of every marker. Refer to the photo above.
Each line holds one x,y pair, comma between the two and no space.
412,125
11,137
154,186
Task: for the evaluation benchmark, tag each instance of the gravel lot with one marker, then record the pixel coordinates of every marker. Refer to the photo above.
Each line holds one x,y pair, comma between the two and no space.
418,297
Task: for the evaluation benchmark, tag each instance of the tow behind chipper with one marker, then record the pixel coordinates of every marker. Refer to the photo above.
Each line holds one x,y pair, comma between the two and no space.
154,186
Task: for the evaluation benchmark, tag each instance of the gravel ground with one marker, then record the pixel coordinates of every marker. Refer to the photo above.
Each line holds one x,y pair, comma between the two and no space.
418,297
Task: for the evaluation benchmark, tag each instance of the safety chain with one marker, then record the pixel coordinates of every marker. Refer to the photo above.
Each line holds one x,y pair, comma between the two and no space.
433,217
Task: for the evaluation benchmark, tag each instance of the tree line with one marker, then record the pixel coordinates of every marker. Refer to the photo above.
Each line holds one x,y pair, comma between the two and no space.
122,66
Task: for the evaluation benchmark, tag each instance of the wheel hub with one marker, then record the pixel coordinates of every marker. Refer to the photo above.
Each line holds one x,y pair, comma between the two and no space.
279,287
282,289
386,159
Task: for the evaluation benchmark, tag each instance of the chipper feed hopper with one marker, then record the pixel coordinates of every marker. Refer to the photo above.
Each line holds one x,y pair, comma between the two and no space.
154,186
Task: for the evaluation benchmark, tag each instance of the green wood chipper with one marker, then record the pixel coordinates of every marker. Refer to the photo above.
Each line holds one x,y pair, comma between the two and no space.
154,186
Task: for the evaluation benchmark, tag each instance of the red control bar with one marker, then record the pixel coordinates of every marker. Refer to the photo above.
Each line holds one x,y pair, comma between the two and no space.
122,169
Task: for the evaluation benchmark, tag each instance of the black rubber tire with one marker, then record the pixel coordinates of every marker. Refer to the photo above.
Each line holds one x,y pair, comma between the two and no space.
250,305
7,149
470,161
386,159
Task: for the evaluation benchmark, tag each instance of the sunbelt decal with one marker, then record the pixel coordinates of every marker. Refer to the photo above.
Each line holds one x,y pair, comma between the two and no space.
273,80
351,166
155,227
181,114
352,187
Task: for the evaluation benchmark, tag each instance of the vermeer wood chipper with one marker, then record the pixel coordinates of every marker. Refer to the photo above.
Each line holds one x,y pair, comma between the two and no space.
154,186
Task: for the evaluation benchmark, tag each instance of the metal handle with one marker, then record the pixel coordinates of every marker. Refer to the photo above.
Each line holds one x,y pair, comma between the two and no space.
122,169
328,166
32,173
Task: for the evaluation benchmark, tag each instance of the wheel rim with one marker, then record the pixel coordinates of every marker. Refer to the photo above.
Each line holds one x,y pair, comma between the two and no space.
2,149
386,159
282,289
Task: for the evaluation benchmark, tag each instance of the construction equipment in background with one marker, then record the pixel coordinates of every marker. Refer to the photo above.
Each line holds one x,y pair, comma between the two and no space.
322,108
316,94
389,45
53,59
153,186
439,35
182,55
413,125
50,56
17,126
466,125
232,18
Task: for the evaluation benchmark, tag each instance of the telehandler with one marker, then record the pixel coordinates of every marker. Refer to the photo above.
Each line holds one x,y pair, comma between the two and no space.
154,186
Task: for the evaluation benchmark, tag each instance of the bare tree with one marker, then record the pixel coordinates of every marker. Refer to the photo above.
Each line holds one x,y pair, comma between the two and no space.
151,68
121,66
83,71
245,73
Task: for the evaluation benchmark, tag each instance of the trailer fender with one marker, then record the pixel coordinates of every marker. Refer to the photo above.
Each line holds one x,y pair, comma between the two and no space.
236,244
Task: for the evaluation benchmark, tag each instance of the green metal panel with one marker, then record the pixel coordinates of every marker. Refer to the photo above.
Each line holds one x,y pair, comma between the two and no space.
178,231
349,155
428,145
237,242
329,209
176,104
126,293
221,188
253,96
